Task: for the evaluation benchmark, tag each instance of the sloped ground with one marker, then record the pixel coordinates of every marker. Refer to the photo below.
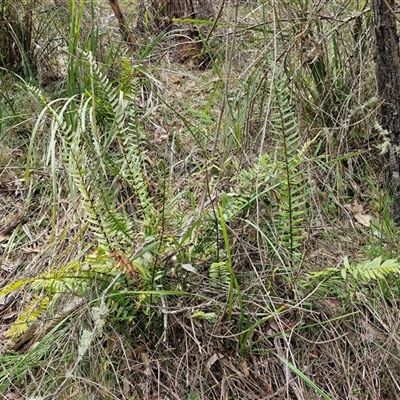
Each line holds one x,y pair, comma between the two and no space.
188,327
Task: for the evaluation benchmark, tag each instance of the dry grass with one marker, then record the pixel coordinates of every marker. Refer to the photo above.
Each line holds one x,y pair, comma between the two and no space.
264,330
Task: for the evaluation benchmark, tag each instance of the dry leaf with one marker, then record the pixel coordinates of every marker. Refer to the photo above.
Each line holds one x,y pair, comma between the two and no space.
245,368
124,265
11,396
363,219
146,362
331,306
357,208
176,80
215,357
33,250
273,325
9,315
189,268
3,237
228,364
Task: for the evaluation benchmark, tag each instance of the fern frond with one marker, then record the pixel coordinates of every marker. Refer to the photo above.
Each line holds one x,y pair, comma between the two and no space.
255,184
101,153
30,313
12,287
372,269
133,166
219,274
74,277
276,184
291,193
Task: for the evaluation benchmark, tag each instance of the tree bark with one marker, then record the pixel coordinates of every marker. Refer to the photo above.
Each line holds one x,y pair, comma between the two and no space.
163,12
167,10
180,16
123,26
387,59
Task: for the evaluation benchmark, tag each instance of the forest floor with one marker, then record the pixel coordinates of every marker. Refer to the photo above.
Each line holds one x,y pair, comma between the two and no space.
176,232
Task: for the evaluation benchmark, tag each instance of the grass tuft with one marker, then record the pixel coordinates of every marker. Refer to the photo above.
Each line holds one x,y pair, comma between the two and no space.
174,231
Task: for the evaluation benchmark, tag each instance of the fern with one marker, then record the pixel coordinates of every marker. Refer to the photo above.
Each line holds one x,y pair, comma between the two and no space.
132,170
103,145
219,274
104,149
276,184
74,277
255,184
129,164
371,269
29,314
291,192
332,279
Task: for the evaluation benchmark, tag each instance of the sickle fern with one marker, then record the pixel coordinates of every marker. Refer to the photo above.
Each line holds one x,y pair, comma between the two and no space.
276,183
103,147
103,155
291,199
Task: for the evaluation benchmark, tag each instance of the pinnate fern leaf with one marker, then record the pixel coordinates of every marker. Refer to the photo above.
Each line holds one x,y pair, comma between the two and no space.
31,312
372,269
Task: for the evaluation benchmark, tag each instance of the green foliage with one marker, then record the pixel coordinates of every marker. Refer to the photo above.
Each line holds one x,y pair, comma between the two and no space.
16,41
219,203
219,274
29,314
210,317
102,142
370,270
234,287
74,277
103,146
15,367
290,205
304,377
255,185
276,184
346,281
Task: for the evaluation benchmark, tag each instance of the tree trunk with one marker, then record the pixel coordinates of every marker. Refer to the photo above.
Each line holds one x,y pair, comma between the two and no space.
167,10
387,59
179,15
123,26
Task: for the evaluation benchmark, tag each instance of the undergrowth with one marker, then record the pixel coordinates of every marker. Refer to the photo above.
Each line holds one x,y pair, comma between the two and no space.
186,234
